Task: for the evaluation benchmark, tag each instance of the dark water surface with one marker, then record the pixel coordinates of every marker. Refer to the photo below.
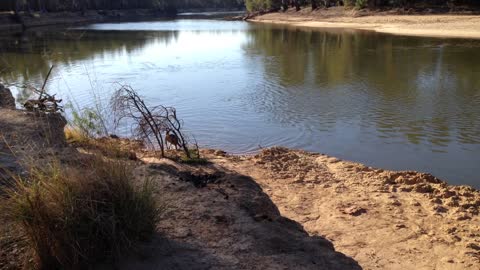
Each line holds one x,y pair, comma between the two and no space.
387,101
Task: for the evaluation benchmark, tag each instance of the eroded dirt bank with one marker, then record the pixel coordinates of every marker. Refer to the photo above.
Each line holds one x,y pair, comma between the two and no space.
444,25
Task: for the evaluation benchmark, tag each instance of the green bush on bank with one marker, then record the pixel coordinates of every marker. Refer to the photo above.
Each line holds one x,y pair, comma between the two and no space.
262,5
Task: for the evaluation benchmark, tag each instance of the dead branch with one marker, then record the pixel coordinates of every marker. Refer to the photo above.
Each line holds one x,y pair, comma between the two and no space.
44,103
155,125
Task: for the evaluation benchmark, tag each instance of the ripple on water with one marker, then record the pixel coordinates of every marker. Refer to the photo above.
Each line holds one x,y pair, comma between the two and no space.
389,101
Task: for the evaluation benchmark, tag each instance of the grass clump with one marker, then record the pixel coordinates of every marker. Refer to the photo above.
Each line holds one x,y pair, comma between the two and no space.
109,147
75,217
194,158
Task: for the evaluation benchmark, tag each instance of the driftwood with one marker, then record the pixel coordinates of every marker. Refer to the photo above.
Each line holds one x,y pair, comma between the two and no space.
45,102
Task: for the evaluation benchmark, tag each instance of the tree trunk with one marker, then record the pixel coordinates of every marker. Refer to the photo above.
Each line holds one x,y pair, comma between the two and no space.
284,5
297,5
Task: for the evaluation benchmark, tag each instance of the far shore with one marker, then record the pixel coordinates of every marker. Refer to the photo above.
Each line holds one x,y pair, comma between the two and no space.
9,23
428,25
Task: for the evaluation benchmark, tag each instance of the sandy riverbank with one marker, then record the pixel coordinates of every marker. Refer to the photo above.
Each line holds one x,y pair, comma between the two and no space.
279,209
445,25
382,219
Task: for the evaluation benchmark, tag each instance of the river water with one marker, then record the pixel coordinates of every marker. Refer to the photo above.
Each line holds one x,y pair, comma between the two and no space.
405,103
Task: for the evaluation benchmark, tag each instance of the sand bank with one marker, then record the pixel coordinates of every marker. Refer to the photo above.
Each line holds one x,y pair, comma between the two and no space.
451,26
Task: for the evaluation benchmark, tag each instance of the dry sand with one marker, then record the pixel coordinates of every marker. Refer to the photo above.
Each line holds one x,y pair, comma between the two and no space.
382,219
455,26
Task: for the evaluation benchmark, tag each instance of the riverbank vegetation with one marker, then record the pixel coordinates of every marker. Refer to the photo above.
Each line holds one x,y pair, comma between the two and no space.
276,5
73,216
170,6
81,5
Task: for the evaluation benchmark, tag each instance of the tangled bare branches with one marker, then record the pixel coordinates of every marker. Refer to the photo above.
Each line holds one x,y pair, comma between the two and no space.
45,102
156,125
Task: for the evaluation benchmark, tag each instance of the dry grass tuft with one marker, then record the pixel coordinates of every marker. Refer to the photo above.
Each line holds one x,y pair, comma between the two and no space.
109,147
74,217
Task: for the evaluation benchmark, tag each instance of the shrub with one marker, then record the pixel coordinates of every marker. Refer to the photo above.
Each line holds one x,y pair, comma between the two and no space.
73,217
350,3
361,4
88,121
357,3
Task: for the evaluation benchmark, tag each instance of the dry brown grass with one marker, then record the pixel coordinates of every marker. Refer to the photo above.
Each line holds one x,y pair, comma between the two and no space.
109,147
73,217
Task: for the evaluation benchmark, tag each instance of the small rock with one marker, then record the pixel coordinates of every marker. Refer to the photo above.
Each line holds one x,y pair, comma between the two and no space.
448,260
416,204
455,238
423,188
396,203
451,230
354,211
440,209
448,194
473,246
6,98
463,217
437,201
452,203
220,153
405,189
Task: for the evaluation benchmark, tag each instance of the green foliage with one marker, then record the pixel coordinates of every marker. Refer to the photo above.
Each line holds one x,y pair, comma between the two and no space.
361,4
88,122
194,159
350,3
210,3
262,5
73,217
77,5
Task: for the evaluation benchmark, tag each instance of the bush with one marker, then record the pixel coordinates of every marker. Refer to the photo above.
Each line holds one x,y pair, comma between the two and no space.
73,217
349,3
361,4
356,3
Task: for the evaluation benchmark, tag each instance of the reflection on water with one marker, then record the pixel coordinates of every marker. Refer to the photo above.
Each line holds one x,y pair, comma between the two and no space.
388,101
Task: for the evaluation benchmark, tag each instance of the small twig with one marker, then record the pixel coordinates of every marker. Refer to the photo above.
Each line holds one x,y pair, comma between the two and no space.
45,83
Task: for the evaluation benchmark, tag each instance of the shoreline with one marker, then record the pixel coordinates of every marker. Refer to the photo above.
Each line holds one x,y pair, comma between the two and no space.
9,24
382,219
343,214
428,25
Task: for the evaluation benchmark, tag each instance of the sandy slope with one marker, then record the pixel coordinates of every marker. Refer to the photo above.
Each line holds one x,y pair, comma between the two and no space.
458,26
229,223
382,219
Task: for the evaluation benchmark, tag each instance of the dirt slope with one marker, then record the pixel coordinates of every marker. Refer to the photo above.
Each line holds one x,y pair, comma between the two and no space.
219,219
